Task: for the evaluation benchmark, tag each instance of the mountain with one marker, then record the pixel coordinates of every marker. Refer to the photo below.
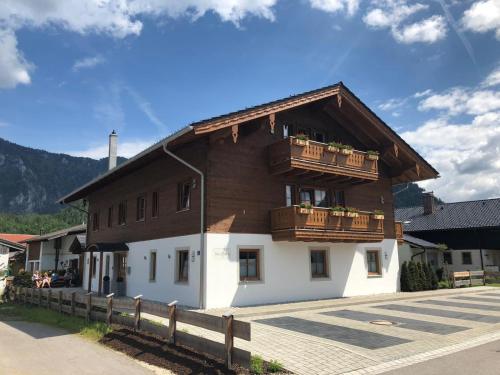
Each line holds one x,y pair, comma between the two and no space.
409,195
32,180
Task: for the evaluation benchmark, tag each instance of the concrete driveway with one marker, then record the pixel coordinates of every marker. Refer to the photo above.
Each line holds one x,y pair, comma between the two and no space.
31,348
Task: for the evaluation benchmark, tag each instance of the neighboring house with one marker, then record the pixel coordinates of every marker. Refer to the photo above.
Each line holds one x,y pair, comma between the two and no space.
471,231
13,251
418,250
211,217
55,251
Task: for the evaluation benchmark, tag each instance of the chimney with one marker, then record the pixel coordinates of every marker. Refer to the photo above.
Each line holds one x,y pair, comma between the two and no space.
113,140
428,199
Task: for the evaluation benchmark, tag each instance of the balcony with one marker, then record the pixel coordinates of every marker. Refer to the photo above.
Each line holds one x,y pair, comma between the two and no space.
314,160
289,224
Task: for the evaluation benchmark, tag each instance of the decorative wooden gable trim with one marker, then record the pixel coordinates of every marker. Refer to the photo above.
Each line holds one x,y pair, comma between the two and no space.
234,133
261,111
272,122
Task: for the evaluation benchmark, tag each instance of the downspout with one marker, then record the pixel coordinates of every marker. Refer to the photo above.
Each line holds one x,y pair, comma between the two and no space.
201,302
417,254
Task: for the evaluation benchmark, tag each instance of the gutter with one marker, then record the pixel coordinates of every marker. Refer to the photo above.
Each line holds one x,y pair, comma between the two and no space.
201,301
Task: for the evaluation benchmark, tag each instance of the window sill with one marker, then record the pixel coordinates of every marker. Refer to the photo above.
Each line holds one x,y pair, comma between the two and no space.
178,282
320,278
375,276
183,210
250,282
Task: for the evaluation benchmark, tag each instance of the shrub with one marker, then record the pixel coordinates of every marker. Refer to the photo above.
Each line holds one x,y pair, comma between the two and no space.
404,278
439,273
443,284
427,273
434,280
412,276
256,364
274,366
23,279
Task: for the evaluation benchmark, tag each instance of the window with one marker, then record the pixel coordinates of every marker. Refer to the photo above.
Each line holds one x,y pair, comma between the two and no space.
94,266
155,205
290,195
373,262
307,196
319,263
447,258
182,266
110,217
466,258
320,199
339,198
95,221
184,196
122,213
152,266
285,131
249,265
303,131
140,208
319,137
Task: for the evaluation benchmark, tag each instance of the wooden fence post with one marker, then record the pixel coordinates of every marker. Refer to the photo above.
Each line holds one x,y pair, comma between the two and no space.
73,294
172,306
32,296
89,307
109,312
49,298
470,278
40,291
60,302
137,315
229,339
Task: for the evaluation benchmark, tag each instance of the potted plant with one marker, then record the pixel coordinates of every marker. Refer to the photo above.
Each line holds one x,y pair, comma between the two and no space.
351,212
378,215
301,140
337,211
345,149
305,209
372,155
333,147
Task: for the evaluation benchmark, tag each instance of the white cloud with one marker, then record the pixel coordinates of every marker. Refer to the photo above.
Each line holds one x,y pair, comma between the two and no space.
393,15
147,109
421,94
4,124
493,78
392,104
463,101
483,16
116,18
467,152
332,6
88,62
126,149
14,69
429,30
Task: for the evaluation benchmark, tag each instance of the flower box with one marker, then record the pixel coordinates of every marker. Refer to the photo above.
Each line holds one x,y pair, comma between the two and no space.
352,214
378,216
332,149
336,213
305,211
301,142
372,157
346,151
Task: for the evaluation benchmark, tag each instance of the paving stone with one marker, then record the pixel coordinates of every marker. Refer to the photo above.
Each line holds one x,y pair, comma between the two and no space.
442,313
464,305
477,299
490,294
351,336
413,324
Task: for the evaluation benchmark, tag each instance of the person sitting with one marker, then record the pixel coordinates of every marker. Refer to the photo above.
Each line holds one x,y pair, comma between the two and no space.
46,280
37,279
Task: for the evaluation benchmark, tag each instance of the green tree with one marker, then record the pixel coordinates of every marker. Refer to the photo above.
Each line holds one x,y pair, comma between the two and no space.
404,277
434,279
412,276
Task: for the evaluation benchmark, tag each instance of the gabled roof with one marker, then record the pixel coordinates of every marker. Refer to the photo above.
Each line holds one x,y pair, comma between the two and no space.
421,169
12,245
419,242
18,238
459,215
60,233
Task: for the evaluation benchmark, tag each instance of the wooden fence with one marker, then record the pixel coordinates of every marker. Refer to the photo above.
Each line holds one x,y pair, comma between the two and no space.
115,311
467,278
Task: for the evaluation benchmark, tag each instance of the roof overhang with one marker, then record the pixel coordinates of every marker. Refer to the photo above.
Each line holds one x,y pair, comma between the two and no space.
106,247
58,234
12,245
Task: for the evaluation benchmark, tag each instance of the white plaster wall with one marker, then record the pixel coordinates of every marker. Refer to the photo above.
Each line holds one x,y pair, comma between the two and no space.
165,288
4,258
95,279
285,271
457,265
49,253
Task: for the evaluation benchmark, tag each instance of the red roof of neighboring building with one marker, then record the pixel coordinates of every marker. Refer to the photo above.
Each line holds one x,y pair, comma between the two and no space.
17,238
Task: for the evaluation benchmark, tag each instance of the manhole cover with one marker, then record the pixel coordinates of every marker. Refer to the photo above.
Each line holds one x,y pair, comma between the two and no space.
382,322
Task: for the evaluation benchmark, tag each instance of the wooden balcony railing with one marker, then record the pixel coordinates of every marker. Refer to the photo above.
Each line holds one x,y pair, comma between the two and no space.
288,224
399,231
286,156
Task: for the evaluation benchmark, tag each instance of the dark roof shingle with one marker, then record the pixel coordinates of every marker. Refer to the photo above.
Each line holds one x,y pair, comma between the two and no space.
459,215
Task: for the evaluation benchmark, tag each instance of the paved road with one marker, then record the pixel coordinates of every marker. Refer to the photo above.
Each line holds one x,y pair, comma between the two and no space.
484,360
31,348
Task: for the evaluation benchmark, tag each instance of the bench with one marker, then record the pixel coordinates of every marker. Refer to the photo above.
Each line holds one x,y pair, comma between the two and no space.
467,278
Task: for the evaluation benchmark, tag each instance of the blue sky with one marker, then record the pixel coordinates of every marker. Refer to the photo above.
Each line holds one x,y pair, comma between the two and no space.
72,71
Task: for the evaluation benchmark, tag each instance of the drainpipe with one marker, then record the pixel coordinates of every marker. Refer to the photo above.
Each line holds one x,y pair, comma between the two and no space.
417,254
201,302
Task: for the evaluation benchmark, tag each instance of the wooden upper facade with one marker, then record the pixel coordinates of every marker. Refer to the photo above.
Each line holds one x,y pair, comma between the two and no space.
261,177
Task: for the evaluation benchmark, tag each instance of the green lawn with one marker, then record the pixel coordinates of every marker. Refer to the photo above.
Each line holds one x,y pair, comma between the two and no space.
93,331
494,284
